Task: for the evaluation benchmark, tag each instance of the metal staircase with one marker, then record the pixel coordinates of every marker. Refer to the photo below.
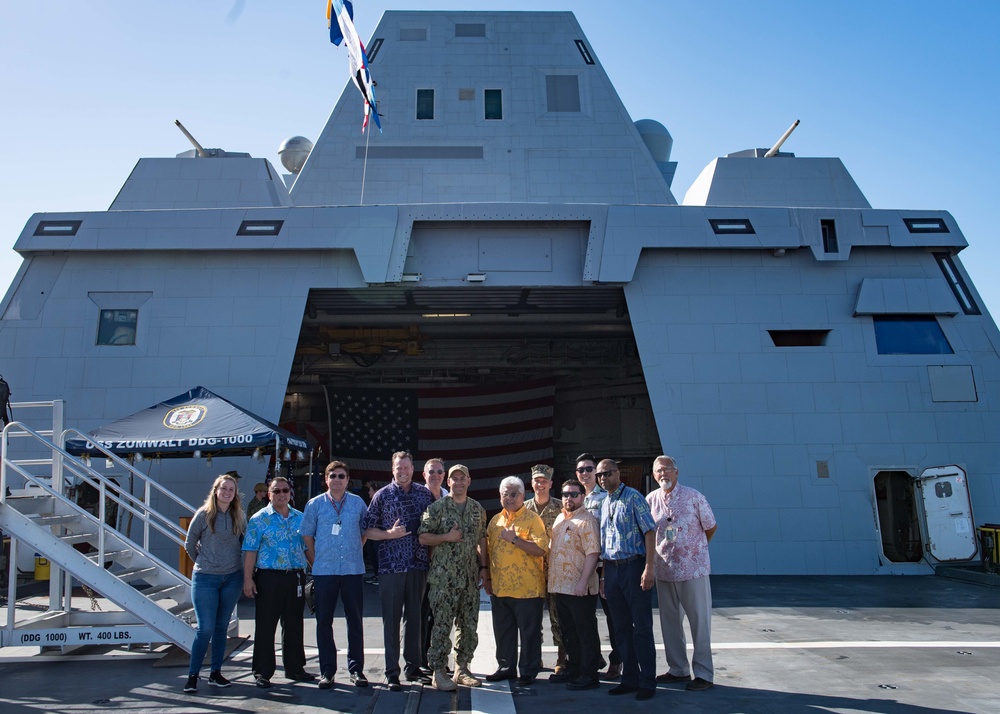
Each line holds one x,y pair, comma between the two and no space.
155,599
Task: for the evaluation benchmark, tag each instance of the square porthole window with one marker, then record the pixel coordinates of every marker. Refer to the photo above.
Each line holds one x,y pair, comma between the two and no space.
117,327
562,93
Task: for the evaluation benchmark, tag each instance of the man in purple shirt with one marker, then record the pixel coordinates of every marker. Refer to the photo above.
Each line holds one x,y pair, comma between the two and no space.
393,519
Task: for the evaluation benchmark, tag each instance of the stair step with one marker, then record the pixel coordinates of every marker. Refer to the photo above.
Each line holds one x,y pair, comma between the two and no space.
137,573
57,520
77,537
161,592
111,555
180,609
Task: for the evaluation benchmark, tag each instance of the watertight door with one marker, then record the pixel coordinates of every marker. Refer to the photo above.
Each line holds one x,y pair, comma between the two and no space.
948,514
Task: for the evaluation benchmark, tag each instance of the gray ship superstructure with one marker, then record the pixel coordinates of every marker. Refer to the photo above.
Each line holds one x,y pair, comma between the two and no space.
824,371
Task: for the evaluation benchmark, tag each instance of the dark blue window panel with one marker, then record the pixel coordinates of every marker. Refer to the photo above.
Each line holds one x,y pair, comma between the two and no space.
910,335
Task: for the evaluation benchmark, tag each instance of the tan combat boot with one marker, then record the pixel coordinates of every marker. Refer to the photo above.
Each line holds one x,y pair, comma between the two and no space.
442,682
464,677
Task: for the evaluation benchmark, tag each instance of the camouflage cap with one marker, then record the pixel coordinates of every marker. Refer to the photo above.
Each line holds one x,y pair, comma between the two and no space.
543,471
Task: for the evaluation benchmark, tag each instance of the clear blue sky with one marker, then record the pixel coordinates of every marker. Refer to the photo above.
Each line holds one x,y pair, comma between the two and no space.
906,92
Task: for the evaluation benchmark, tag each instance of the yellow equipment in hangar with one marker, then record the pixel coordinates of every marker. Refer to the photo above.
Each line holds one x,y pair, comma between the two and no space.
366,341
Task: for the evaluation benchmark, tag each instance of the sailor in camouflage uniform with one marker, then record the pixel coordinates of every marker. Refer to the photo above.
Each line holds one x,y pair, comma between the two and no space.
548,509
455,528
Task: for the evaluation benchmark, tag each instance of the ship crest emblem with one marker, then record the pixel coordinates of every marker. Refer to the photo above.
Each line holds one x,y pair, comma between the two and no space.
184,417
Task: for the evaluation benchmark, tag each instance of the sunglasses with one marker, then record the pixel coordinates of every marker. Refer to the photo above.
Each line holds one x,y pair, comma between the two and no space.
281,490
602,474
435,471
585,470
571,494
337,476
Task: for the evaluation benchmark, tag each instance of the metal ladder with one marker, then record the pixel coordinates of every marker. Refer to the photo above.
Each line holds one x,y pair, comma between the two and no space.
155,599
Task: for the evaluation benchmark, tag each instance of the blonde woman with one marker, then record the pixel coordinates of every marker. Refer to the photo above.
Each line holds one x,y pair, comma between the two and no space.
214,542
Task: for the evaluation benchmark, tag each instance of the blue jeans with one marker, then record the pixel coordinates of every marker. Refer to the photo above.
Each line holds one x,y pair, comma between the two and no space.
214,598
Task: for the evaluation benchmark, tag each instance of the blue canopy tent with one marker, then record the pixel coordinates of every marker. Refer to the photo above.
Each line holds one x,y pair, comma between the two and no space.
197,420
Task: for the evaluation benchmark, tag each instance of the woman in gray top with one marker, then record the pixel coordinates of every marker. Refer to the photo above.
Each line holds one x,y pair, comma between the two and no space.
214,542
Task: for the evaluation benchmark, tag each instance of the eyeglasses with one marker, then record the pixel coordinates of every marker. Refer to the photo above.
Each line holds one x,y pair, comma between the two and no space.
435,471
585,470
337,476
571,494
602,474
281,490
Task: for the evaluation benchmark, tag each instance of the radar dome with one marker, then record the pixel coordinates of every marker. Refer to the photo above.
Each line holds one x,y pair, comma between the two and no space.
656,137
293,153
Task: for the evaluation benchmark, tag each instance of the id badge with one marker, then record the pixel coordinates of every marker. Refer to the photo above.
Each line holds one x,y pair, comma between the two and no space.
335,530
298,590
566,538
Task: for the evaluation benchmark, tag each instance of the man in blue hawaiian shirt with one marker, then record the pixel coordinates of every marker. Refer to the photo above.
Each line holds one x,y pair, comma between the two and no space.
274,564
628,549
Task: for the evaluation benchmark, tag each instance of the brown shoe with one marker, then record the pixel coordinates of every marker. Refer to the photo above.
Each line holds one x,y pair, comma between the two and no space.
464,677
442,682
614,671
698,684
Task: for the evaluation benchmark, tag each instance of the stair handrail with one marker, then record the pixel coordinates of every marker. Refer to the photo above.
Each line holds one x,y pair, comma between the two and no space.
149,485
149,516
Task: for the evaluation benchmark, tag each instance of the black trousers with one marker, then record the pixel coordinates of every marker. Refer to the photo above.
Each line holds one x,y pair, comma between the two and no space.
513,617
402,595
578,623
279,599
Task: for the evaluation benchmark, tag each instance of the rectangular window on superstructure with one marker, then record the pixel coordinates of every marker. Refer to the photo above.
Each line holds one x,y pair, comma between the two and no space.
584,52
798,338
562,93
493,101
373,48
957,284
57,228
470,29
910,335
925,225
829,229
425,104
723,226
117,327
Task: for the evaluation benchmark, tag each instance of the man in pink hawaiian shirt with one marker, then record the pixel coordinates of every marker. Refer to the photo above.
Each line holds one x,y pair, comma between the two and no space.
684,526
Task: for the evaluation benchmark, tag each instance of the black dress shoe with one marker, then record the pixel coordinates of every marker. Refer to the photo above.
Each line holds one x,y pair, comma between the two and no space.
301,677
581,683
560,677
671,678
394,685
526,679
699,685
358,679
622,689
501,675
644,693
415,675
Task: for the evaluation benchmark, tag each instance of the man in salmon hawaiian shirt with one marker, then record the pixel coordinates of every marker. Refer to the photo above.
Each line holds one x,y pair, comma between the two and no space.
573,554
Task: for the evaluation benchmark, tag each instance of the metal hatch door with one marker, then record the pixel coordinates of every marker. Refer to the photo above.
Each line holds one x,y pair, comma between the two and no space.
948,513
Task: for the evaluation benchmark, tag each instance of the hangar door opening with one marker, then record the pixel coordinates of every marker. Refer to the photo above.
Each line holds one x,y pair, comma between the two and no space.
495,377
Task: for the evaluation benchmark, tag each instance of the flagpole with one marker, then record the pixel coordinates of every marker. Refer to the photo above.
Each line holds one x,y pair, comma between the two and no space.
364,171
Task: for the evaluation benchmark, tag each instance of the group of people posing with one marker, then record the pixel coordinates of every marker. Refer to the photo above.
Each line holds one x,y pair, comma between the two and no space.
601,541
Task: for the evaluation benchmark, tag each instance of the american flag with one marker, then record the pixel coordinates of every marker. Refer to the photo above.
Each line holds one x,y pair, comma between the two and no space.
497,431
